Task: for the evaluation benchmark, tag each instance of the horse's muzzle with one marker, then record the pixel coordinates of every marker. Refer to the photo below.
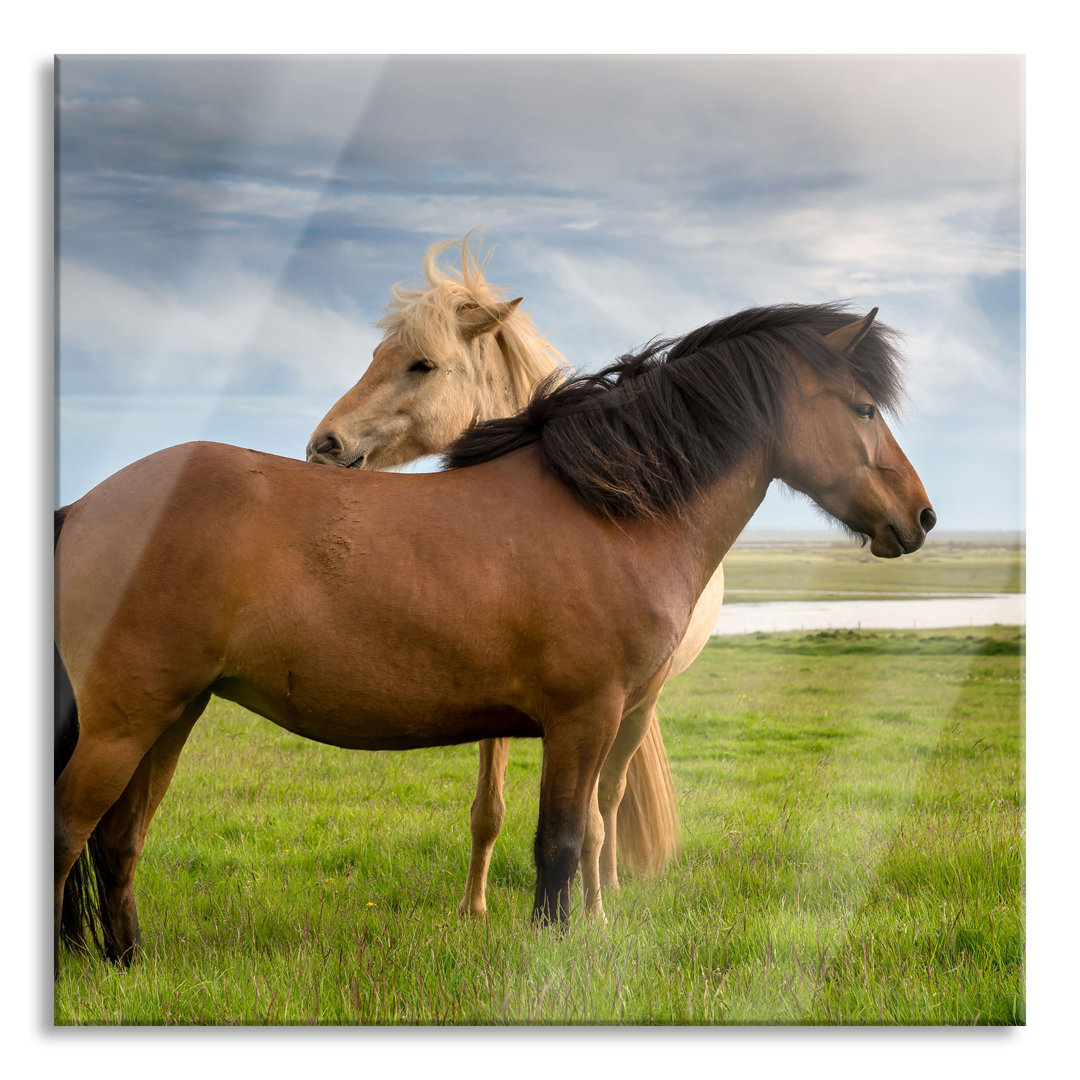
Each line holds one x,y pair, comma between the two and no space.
891,542
325,448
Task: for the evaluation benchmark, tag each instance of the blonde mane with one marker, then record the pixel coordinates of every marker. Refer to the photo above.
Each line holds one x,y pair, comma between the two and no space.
427,320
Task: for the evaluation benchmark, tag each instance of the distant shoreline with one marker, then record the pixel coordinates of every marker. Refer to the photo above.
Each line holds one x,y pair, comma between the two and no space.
751,537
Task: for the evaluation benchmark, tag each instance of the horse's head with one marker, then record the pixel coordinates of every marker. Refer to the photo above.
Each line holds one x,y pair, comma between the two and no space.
416,400
456,351
837,448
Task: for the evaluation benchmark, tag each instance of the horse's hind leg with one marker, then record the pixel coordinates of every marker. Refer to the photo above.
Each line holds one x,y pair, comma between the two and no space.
109,751
485,823
93,779
121,833
590,860
632,731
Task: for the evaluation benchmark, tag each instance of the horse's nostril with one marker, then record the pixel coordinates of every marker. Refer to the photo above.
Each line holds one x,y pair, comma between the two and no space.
927,519
328,444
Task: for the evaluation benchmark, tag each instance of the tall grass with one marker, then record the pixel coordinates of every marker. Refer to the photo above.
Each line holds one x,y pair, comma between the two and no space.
853,823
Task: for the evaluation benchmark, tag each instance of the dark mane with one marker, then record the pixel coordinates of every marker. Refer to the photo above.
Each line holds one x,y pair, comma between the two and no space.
640,437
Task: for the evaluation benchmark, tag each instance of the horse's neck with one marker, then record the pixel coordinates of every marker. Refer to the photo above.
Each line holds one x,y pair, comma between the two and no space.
719,514
489,387
523,367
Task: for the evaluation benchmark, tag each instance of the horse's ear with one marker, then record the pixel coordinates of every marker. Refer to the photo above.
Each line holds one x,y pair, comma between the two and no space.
477,320
847,337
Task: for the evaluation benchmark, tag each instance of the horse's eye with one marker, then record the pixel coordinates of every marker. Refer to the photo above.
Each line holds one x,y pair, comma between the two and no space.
865,411
422,366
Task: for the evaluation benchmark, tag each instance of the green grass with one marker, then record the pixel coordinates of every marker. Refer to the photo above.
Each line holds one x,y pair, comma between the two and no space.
840,569
853,824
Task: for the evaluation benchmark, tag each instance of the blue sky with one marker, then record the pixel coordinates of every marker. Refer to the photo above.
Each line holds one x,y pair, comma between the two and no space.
229,229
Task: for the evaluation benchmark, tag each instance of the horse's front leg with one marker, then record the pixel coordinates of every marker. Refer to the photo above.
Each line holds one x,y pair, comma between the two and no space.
575,746
485,823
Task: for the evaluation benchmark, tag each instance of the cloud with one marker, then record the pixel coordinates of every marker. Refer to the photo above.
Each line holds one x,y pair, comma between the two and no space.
232,334
230,227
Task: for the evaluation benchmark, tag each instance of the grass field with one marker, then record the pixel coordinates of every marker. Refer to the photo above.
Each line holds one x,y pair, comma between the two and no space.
836,568
853,824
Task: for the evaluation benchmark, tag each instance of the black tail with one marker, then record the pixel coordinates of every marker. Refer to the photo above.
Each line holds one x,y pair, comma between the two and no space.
65,718
84,891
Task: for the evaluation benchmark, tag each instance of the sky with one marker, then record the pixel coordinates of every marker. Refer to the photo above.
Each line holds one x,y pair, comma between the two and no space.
228,230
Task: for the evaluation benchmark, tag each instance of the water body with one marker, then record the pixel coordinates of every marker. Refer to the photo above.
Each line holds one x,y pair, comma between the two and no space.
920,613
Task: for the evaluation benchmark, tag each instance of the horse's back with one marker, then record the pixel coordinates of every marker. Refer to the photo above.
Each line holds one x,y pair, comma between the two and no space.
305,591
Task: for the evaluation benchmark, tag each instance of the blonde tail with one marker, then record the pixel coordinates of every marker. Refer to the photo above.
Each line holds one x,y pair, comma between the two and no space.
647,826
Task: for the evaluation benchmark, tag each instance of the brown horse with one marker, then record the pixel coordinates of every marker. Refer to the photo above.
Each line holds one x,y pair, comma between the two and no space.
457,352
538,587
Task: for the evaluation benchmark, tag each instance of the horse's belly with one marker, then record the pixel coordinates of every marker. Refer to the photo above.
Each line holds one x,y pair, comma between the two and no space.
401,726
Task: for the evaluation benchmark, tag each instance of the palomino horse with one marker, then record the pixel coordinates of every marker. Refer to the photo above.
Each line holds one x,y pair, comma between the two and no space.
536,588
457,352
